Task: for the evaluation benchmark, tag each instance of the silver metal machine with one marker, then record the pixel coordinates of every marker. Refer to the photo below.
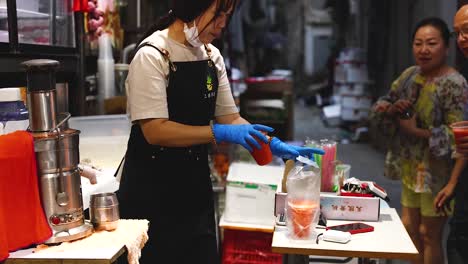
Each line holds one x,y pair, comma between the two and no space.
57,154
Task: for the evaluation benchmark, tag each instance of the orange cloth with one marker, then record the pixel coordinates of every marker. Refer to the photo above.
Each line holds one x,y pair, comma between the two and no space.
22,219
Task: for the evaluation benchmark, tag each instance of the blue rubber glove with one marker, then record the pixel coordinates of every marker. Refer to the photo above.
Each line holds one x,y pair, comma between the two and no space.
286,151
241,134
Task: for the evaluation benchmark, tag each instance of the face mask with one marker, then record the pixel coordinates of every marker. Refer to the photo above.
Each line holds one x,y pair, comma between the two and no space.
191,34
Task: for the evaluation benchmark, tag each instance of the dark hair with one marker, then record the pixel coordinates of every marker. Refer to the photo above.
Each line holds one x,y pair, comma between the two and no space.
437,23
187,11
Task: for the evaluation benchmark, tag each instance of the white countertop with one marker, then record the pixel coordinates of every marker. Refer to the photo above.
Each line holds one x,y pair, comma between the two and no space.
103,142
102,247
103,139
389,240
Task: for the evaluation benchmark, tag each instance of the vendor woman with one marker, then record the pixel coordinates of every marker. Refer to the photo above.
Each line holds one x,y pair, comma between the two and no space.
177,84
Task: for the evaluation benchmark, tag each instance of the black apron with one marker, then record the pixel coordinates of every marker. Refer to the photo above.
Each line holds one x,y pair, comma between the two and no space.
171,186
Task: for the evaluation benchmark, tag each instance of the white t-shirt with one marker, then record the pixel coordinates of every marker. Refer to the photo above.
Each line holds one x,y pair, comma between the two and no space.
147,77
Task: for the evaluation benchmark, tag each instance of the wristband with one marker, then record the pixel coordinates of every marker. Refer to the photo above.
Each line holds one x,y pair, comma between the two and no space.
213,138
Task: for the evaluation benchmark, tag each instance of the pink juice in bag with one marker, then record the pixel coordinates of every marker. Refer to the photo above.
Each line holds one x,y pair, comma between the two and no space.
301,214
303,199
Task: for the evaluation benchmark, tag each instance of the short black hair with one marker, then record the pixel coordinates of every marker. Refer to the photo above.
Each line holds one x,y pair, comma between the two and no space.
187,11
437,23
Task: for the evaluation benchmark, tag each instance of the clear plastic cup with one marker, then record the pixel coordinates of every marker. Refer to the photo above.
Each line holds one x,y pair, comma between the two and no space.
460,129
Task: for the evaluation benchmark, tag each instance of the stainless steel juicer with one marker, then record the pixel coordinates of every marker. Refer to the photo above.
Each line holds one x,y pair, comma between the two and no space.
57,154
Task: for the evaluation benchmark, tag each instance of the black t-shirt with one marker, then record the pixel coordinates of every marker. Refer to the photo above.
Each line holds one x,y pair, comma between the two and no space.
460,214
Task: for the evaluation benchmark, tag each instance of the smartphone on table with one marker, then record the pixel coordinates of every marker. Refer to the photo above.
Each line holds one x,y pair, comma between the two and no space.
353,228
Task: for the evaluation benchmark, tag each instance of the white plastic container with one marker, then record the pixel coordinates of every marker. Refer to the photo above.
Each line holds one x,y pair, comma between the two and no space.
106,75
250,193
13,112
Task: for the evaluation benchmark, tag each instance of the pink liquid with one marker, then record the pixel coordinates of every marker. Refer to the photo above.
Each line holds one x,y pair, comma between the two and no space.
301,213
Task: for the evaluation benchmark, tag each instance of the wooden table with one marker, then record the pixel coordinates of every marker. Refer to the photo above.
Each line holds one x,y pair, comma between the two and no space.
389,240
106,255
101,247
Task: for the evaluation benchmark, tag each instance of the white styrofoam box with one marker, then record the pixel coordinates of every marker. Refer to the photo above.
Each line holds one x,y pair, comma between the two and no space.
282,72
354,114
10,94
250,193
351,88
352,54
350,207
15,125
340,73
357,74
356,101
332,114
351,72
331,111
268,103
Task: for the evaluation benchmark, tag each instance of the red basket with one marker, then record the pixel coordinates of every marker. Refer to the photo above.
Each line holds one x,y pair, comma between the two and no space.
248,247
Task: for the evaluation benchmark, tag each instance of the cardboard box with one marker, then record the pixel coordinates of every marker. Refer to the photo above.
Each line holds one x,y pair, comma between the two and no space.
350,207
250,193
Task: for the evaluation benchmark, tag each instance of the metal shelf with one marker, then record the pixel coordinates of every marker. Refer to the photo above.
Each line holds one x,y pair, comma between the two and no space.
22,13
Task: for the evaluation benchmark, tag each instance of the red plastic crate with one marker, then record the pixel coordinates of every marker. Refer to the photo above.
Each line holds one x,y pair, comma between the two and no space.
248,247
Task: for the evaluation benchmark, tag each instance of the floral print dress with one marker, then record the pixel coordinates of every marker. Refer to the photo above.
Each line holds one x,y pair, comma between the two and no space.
424,166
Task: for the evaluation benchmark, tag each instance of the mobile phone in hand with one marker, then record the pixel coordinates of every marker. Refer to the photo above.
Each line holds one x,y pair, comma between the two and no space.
353,228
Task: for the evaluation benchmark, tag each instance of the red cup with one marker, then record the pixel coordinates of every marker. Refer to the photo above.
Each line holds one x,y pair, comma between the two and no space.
460,129
263,155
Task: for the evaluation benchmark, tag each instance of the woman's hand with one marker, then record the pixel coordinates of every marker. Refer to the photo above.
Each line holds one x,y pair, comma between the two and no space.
286,151
245,134
400,106
462,145
382,106
442,200
408,126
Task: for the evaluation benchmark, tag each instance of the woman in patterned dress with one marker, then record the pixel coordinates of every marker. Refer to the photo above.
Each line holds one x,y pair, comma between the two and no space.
423,101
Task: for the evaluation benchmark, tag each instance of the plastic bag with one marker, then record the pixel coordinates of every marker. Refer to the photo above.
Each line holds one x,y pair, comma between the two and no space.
303,199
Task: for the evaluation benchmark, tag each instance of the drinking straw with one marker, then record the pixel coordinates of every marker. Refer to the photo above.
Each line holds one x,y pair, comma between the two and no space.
328,164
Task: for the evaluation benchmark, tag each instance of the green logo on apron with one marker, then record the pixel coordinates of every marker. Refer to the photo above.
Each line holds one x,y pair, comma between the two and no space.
209,83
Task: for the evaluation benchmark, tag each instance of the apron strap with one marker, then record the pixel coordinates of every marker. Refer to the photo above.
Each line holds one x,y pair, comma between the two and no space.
118,172
163,52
